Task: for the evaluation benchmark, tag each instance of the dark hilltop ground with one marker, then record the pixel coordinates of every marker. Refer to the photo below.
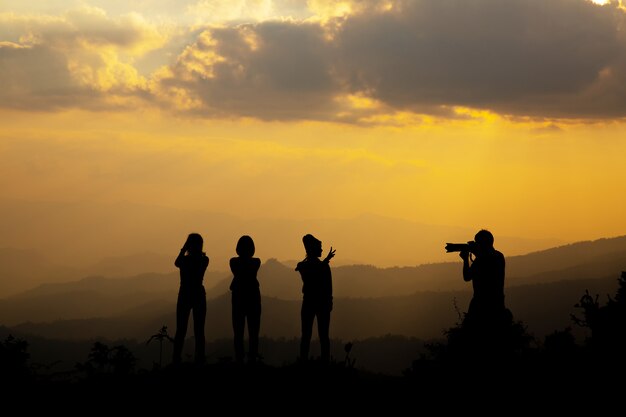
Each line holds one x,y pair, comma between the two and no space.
502,372
571,384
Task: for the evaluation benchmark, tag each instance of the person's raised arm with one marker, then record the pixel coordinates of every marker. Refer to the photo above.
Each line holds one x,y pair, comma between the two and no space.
331,255
181,255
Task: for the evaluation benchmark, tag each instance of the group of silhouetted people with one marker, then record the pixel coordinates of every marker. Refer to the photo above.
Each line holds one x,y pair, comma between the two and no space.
317,297
483,265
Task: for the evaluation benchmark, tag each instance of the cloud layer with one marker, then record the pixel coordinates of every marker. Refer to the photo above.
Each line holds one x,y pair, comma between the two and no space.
356,63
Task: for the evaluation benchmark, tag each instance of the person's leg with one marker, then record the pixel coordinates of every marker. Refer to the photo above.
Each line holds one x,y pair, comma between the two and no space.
307,315
323,329
183,308
254,326
199,318
239,323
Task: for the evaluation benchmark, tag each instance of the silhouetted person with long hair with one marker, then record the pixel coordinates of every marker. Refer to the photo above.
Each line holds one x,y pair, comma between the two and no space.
192,262
246,298
317,296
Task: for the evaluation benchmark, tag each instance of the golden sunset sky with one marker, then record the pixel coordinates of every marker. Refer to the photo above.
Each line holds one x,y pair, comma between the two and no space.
508,115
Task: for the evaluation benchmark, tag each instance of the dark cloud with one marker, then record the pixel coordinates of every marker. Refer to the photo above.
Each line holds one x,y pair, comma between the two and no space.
523,58
554,59
270,70
528,57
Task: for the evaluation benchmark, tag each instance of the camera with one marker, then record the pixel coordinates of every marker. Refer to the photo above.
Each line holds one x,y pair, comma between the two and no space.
461,247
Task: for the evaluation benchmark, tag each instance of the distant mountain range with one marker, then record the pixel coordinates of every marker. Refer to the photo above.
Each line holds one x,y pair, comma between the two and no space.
55,242
421,301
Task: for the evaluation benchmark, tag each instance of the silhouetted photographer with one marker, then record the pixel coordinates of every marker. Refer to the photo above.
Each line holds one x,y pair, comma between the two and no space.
484,266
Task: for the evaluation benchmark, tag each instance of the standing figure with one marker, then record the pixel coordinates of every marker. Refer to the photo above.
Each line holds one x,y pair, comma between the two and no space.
246,298
317,296
192,262
486,272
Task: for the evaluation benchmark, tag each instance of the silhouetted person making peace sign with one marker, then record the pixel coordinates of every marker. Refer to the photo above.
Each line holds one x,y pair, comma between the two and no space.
192,262
246,298
317,296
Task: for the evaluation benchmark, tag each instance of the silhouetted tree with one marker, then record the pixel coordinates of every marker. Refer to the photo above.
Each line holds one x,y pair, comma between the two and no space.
122,360
99,356
102,359
161,336
559,357
560,345
607,323
14,357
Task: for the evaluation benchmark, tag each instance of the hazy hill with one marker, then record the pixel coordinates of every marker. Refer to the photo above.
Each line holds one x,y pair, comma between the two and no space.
82,234
135,264
21,269
578,260
105,297
94,296
543,308
574,261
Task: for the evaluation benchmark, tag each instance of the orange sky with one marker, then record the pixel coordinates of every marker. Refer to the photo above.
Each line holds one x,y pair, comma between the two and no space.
495,114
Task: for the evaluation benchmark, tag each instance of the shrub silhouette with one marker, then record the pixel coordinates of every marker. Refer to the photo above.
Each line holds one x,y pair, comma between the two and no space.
118,360
560,345
502,340
607,323
14,357
468,346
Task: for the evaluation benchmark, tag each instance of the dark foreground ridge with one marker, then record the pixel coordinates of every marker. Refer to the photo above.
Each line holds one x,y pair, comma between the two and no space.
469,371
524,383
255,387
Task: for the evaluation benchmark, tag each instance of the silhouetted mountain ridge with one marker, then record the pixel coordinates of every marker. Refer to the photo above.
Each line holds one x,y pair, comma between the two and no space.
594,252
543,307
103,297
26,268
